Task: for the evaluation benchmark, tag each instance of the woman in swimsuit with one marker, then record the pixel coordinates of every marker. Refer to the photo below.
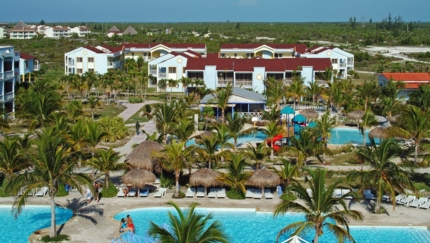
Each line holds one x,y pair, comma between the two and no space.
122,225
130,225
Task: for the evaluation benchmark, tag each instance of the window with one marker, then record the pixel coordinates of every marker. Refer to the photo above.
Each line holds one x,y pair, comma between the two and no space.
79,59
90,59
222,55
91,70
235,55
172,69
79,71
132,54
278,55
249,55
334,61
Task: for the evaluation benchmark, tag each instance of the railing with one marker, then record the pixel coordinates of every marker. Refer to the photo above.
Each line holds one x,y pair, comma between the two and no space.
8,96
71,64
1,98
246,83
225,82
36,67
342,64
111,64
8,74
350,63
132,238
162,75
152,72
317,108
250,114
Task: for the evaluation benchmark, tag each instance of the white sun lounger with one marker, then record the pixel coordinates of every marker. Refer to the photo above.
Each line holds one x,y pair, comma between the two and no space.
190,192
200,192
337,193
249,193
220,193
425,205
268,194
131,193
161,192
257,194
120,192
346,191
42,192
418,202
157,181
399,197
212,192
144,192
309,191
406,201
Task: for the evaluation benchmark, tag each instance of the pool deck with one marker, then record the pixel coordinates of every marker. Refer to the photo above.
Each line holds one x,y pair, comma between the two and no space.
94,222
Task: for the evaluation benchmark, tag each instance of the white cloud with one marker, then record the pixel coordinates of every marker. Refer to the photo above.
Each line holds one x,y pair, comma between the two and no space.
247,3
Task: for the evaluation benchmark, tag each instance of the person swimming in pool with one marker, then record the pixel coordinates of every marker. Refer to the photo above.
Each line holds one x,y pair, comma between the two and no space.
130,225
122,225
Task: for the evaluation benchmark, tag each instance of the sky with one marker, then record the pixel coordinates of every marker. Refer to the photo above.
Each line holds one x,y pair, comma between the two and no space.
212,10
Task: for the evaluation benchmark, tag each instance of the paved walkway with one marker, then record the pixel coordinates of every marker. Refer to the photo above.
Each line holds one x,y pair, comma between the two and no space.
133,108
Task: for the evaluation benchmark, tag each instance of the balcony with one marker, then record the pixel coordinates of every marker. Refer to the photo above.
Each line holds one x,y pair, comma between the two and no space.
224,82
71,64
8,96
350,63
244,83
342,64
153,72
111,64
8,74
162,75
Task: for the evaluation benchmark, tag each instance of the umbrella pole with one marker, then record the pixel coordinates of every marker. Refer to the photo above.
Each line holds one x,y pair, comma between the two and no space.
262,192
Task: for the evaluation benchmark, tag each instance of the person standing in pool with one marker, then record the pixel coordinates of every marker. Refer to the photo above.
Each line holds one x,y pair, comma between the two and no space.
130,225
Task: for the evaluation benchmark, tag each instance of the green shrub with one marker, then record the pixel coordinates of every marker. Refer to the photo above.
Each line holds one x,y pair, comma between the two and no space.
114,127
59,238
234,193
288,197
3,182
111,191
61,191
133,100
180,195
166,181
353,161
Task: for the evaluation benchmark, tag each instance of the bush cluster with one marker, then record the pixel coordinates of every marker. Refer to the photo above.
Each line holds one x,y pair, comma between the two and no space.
234,193
110,191
114,127
133,100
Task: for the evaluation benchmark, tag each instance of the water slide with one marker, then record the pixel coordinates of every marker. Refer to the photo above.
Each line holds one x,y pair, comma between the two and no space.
278,137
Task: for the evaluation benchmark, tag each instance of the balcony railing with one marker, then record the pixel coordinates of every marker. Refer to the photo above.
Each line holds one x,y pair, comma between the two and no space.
8,96
350,63
152,72
71,64
342,64
8,74
162,75
245,83
111,64
224,82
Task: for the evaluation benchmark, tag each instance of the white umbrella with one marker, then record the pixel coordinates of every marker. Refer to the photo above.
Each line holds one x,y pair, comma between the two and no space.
295,239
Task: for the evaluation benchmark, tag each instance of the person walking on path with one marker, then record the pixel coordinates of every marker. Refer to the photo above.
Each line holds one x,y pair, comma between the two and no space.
137,127
96,192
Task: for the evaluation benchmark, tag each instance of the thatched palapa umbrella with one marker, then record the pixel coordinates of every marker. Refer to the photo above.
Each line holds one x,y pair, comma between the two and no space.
141,156
355,115
138,178
203,135
205,177
263,178
378,132
309,113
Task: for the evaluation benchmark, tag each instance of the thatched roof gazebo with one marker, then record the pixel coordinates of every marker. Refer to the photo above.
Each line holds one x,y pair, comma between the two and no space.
378,132
264,178
203,135
309,113
138,178
141,156
355,115
205,177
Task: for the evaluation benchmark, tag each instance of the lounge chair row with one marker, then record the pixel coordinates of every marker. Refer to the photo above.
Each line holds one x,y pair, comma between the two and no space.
412,201
338,193
200,192
40,192
257,193
144,192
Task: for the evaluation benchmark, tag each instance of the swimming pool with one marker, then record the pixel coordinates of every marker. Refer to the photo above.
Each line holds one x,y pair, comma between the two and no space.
338,136
32,218
247,225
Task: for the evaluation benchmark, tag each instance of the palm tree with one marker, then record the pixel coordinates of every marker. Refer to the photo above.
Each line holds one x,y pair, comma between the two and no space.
222,132
367,120
106,161
295,90
172,84
321,209
93,103
314,89
185,83
235,127
323,128
184,129
384,175
236,176
221,97
209,148
271,131
165,116
367,92
336,97
13,157
287,173
188,226
275,91
93,136
4,121
413,123
390,105
258,154
421,97
174,158
53,164
74,110
306,145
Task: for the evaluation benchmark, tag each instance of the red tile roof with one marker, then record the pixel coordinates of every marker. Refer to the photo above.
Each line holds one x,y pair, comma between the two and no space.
300,48
414,85
93,49
271,65
405,77
26,56
174,45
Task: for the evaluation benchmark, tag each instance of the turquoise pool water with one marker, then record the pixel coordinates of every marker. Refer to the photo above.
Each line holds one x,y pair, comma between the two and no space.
338,136
31,219
246,225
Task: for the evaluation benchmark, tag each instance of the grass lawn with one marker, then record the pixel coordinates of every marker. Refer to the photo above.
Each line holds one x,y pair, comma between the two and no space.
340,159
136,117
109,110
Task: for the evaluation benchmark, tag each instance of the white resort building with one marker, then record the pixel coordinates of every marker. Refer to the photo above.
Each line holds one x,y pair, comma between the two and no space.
9,70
